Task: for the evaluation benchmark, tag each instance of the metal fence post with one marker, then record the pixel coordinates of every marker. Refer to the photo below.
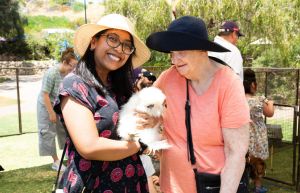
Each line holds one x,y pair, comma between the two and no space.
298,133
19,102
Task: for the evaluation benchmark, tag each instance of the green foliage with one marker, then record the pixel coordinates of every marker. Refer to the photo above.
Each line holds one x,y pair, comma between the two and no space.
77,7
276,20
18,48
54,44
3,100
41,45
279,85
61,2
37,23
47,46
148,16
10,20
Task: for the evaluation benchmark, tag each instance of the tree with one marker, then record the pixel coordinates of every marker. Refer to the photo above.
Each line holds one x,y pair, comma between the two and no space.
10,20
276,20
11,29
148,16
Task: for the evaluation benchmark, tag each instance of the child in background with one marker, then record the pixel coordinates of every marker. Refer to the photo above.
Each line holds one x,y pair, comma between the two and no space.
258,145
48,124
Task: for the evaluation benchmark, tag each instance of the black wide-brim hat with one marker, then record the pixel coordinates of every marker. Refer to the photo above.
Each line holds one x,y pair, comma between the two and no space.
185,33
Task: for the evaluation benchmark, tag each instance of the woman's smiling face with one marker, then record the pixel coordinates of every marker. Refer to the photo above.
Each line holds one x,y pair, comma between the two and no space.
108,58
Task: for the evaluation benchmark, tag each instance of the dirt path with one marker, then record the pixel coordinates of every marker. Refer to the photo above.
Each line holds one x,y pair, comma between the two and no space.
29,89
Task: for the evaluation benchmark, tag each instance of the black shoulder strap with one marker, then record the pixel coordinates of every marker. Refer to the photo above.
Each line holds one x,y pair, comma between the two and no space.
219,61
59,168
190,147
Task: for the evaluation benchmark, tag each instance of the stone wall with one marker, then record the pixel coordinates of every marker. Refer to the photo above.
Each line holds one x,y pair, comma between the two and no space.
8,68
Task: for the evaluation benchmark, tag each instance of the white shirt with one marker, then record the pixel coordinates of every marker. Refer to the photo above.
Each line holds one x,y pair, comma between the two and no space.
148,165
233,58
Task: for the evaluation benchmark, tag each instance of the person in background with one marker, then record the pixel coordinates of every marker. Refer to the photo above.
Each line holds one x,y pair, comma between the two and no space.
219,112
258,151
89,102
144,79
229,34
48,124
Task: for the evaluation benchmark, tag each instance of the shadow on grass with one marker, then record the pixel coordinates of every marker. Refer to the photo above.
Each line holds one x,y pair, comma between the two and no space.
29,180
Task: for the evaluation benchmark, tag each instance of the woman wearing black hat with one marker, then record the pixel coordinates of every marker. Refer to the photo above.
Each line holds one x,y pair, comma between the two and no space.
219,115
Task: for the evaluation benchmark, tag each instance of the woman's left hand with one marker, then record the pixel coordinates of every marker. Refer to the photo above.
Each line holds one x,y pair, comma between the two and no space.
146,121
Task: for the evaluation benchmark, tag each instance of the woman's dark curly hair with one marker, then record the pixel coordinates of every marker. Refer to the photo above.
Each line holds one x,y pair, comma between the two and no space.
249,78
120,79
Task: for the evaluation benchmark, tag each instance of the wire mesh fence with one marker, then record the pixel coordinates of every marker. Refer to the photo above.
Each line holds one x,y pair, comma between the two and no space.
19,92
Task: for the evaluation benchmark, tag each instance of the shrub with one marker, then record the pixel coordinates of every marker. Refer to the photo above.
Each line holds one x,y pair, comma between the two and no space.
77,7
37,23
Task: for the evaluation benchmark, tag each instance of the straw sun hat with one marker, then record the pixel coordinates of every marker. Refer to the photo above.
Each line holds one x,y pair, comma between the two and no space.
84,34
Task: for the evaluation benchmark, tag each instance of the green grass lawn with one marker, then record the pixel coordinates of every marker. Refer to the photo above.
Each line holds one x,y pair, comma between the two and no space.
21,152
280,162
40,180
9,124
30,180
286,126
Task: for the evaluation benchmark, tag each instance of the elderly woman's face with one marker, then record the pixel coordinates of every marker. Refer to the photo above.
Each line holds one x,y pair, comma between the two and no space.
187,61
112,49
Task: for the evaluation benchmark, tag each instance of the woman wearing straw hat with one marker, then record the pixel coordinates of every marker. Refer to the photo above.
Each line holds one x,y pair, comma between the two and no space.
218,118
89,101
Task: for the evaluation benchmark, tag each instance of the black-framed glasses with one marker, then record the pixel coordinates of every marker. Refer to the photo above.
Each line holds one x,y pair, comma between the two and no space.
113,40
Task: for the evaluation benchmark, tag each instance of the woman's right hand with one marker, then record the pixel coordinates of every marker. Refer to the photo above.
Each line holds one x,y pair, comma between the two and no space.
146,121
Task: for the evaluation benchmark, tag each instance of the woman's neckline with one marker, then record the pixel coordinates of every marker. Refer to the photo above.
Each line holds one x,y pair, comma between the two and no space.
209,83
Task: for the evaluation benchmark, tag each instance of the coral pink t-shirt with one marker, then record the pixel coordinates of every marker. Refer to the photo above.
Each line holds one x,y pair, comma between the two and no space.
223,105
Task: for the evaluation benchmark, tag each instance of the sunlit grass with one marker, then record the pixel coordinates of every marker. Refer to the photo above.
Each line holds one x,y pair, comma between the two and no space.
30,180
6,101
9,124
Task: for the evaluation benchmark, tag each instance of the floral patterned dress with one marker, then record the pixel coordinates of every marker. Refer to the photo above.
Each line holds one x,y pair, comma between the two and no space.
258,144
120,176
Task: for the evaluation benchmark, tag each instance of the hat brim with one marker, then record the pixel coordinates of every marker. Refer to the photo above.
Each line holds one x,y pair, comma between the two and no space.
168,41
84,34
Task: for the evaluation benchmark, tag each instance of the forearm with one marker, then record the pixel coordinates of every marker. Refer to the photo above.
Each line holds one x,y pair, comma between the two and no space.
236,143
82,129
47,102
108,150
232,173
